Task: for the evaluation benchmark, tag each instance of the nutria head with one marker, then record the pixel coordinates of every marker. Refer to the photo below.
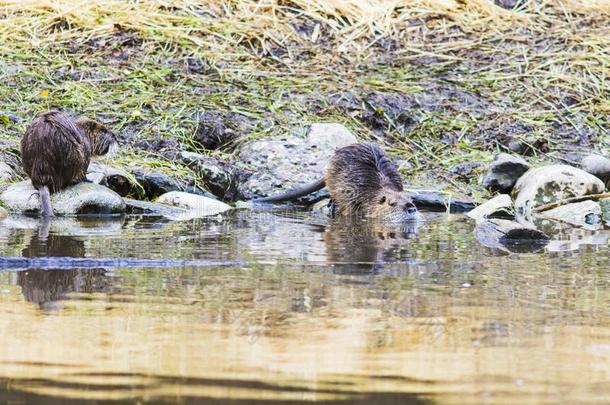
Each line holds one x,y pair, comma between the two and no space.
361,179
391,205
101,138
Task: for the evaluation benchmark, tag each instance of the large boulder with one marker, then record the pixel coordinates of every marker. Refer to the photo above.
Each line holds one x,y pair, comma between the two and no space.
196,205
597,165
284,162
504,172
548,184
585,214
82,198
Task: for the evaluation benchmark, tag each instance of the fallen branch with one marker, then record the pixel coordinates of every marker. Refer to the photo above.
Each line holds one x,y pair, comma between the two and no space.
571,200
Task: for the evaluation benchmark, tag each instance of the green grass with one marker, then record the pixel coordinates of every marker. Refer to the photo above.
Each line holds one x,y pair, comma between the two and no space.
541,67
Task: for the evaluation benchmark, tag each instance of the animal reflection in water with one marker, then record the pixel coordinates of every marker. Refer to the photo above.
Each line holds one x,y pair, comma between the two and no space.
365,246
48,287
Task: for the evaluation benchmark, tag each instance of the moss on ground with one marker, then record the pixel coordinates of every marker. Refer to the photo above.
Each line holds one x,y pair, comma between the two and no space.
442,85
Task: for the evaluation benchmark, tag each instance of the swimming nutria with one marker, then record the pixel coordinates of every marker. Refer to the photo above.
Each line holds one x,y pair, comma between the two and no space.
360,179
56,150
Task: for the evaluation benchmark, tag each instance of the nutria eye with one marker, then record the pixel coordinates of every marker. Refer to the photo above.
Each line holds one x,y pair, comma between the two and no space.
382,200
392,204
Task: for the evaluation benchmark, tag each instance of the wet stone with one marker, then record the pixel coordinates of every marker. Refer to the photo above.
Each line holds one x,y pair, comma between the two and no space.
198,206
439,201
504,172
586,214
82,198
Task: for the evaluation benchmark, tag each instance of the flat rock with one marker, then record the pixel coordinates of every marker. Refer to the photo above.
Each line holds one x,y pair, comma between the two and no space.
82,198
504,172
440,201
499,206
597,165
196,205
586,214
282,163
548,184
153,208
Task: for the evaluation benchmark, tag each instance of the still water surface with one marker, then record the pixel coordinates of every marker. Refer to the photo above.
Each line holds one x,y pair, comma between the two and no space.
258,306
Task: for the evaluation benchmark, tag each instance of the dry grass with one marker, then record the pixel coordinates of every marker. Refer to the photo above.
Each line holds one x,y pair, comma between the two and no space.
543,64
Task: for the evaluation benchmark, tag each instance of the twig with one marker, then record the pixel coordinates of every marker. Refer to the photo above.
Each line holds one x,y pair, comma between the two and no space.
571,200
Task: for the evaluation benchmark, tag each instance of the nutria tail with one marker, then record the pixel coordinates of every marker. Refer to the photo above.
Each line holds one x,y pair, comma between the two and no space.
45,201
294,193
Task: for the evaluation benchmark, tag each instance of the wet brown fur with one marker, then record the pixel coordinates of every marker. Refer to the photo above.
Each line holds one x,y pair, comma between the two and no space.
360,179
56,150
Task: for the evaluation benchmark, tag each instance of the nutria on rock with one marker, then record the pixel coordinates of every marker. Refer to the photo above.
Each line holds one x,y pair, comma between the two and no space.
360,179
56,150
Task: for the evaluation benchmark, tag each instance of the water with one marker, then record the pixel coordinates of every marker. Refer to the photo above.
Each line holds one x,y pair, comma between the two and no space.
275,305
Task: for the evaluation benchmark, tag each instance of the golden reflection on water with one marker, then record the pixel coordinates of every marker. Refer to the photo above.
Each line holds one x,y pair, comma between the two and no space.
470,328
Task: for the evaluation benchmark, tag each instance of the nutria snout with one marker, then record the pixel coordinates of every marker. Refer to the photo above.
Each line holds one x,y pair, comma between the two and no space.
361,179
56,150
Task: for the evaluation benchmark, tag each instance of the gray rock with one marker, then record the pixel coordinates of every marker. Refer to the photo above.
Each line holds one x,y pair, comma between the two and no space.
196,205
605,207
586,214
504,172
282,163
117,180
597,165
441,201
82,198
156,184
548,184
219,177
3,213
155,209
499,206
6,173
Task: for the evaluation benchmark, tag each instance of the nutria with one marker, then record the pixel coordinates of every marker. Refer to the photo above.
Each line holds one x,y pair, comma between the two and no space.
56,150
360,179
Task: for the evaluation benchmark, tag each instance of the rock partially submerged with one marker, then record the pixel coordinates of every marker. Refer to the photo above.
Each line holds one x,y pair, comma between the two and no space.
504,172
285,162
499,206
548,184
585,214
82,198
440,201
154,209
510,236
196,205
